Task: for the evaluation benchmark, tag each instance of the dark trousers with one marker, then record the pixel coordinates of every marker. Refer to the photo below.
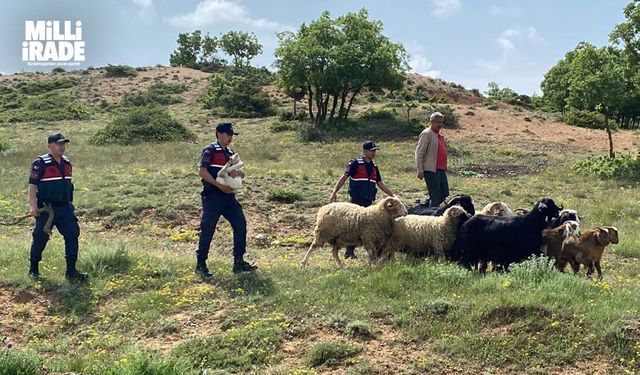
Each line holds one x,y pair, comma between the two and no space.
363,203
214,206
64,219
437,186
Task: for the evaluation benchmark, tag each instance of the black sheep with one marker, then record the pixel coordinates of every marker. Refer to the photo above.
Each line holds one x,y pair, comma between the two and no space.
461,200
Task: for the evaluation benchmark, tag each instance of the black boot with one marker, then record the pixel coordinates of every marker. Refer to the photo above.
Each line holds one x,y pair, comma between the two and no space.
73,274
202,270
34,271
240,265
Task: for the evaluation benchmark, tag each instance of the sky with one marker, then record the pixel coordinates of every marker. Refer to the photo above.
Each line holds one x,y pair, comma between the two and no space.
469,42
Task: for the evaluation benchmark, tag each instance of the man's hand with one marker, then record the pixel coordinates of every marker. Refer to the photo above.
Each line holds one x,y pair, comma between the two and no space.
235,173
225,188
420,175
34,211
333,198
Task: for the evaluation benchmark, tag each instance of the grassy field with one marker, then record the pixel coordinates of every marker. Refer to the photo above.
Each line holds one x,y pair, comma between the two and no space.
145,312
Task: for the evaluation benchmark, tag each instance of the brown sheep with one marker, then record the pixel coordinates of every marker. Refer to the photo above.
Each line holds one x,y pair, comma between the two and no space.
588,250
553,240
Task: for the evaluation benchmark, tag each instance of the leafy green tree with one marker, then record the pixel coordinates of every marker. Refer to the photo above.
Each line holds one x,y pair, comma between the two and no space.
194,50
628,33
240,45
336,59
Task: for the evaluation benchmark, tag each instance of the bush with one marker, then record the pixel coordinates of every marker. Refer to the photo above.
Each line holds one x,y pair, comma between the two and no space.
116,71
58,70
236,96
450,117
623,166
4,146
331,353
310,132
377,114
43,86
289,116
282,126
584,118
158,93
146,364
15,362
143,124
359,328
533,270
48,106
284,196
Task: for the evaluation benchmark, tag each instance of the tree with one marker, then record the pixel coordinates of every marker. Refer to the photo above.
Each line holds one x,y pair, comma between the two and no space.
194,50
336,59
240,45
628,33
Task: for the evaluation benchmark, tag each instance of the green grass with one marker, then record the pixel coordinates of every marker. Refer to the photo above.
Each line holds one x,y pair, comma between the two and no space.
145,312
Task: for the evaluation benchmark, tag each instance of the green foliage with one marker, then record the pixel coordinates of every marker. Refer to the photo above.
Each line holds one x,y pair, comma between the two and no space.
533,270
289,116
242,46
359,328
338,59
377,114
623,166
41,105
236,349
195,51
310,132
119,71
43,86
331,353
282,126
17,362
159,93
58,69
628,32
451,120
106,260
236,96
143,124
584,118
4,146
146,364
284,196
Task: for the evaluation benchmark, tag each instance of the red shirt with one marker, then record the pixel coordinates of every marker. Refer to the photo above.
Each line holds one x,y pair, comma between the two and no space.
441,160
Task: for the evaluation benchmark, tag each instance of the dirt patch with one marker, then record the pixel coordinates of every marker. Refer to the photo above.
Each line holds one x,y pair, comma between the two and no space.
23,309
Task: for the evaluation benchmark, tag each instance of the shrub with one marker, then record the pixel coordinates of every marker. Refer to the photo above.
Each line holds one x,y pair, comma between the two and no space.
377,114
43,86
4,145
359,328
533,270
623,166
117,71
143,124
450,117
310,132
58,70
289,116
583,118
236,96
284,196
146,364
15,362
158,93
331,353
282,126
48,106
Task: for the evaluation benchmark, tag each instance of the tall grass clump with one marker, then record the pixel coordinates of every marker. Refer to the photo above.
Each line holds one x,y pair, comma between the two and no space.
17,362
106,260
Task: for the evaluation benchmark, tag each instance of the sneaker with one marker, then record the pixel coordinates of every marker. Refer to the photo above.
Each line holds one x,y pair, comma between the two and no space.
243,266
77,276
203,271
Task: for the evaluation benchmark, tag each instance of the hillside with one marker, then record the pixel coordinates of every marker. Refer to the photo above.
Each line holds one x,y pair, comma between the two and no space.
145,312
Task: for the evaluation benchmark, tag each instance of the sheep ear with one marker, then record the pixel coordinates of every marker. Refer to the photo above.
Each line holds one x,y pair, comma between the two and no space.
541,206
603,237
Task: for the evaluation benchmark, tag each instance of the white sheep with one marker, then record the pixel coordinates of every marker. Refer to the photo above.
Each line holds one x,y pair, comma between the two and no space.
346,224
223,177
497,209
428,235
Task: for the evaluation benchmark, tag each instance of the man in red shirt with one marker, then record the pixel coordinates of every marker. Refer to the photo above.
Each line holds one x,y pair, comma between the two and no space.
431,160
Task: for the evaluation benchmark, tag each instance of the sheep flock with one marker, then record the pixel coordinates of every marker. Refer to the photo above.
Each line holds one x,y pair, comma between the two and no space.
494,236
